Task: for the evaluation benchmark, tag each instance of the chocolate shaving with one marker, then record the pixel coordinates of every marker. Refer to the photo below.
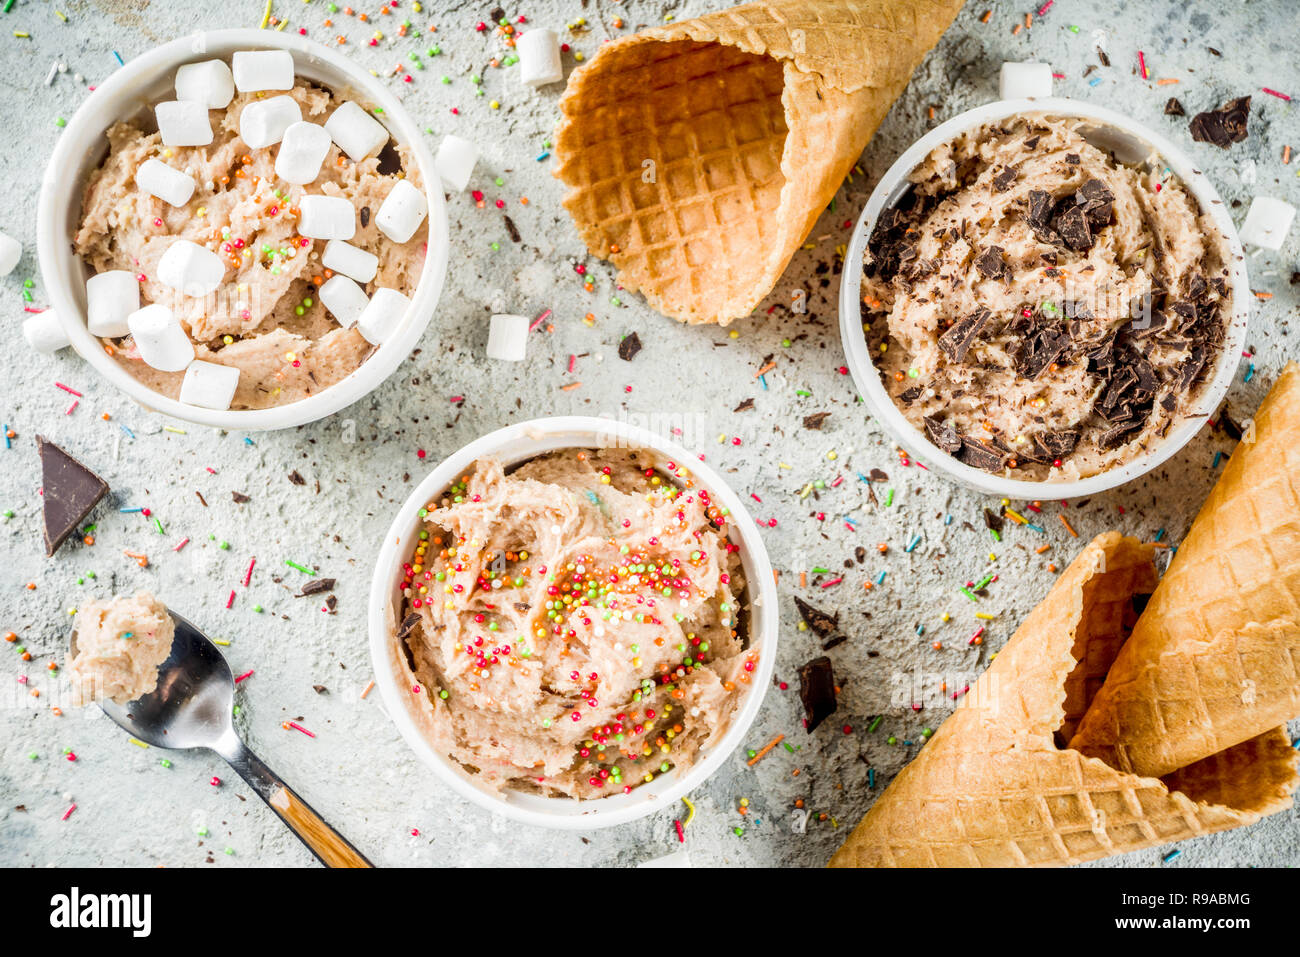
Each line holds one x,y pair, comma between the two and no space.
944,436
297,478
316,586
1224,126
1057,445
1174,108
240,498
815,420
744,406
408,625
69,492
822,624
959,337
1040,351
993,520
908,396
629,347
817,691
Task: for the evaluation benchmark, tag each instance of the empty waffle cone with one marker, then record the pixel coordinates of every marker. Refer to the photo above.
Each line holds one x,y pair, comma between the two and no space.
700,154
995,788
1215,658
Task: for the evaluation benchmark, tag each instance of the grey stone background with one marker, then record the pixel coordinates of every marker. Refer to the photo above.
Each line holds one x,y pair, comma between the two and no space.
359,465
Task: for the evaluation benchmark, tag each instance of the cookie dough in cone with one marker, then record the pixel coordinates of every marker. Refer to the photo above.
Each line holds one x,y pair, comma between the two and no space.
701,153
1215,658
995,788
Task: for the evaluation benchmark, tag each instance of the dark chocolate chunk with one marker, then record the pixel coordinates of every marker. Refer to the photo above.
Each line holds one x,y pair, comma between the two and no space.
240,498
316,586
908,396
993,520
1113,438
980,455
1072,159
1041,351
365,216
408,625
990,263
944,436
513,230
1002,182
817,691
837,640
822,624
1057,445
1224,126
629,347
957,340
296,478
1073,227
815,420
69,492
1031,142
1174,108
1101,55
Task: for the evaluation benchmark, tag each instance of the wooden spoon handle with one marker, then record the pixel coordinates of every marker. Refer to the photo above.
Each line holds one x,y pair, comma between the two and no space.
329,846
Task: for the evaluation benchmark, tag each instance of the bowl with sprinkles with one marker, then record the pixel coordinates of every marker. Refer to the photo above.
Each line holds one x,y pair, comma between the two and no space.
573,622
243,229
1044,299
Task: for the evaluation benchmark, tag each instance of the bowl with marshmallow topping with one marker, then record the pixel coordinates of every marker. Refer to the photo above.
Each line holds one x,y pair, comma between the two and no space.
243,229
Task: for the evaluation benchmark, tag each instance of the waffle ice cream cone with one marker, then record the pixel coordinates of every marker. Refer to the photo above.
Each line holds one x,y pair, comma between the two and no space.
994,787
1215,658
700,154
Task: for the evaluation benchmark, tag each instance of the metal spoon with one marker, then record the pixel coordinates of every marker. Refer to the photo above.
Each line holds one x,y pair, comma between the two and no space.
191,708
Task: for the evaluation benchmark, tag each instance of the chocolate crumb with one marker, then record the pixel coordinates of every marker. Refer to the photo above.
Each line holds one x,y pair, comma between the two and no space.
815,420
629,347
817,691
822,624
1174,108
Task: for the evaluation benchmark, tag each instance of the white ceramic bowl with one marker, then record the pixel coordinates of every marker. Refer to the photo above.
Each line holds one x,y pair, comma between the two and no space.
1131,142
132,91
518,443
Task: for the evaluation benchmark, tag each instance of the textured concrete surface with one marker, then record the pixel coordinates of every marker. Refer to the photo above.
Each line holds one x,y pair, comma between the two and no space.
358,466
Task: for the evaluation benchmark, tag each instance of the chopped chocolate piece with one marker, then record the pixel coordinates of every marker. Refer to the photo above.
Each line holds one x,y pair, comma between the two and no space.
817,691
990,263
908,396
815,420
296,478
1041,351
1073,227
878,475
1031,142
1117,436
512,230
1101,55
1057,445
1224,126
993,520
822,624
1097,202
980,455
629,347
1002,182
944,436
69,492
240,498
316,586
744,406
408,625
1077,310
957,340
1040,212
837,640
1072,159
1174,108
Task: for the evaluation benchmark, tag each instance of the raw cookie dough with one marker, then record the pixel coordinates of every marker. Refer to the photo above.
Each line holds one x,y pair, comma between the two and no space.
576,627
266,318
1044,312
120,644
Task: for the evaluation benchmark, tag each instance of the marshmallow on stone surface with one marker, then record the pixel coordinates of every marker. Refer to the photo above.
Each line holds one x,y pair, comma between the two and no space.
455,162
262,70
44,332
348,260
302,151
539,57
508,338
190,269
344,299
326,217
111,297
183,123
209,83
209,385
170,185
1267,223
1018,81
263,122
402,212
383,315
11,250
356,132
159,338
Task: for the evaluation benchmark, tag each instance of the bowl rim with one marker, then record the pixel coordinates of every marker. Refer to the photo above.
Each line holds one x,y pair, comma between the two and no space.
88,126
867,378
550,433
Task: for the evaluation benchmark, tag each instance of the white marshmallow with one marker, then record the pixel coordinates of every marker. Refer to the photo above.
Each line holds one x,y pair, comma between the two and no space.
402,212
161,341
345,300
44,332
508,338
111,297
1021,80
170,185
209,385
355,131
183,123
262,70
384,314
263,122
455,162
11,250
326,217
209,83
539,57
190,269
302,151
1267,223
342,257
